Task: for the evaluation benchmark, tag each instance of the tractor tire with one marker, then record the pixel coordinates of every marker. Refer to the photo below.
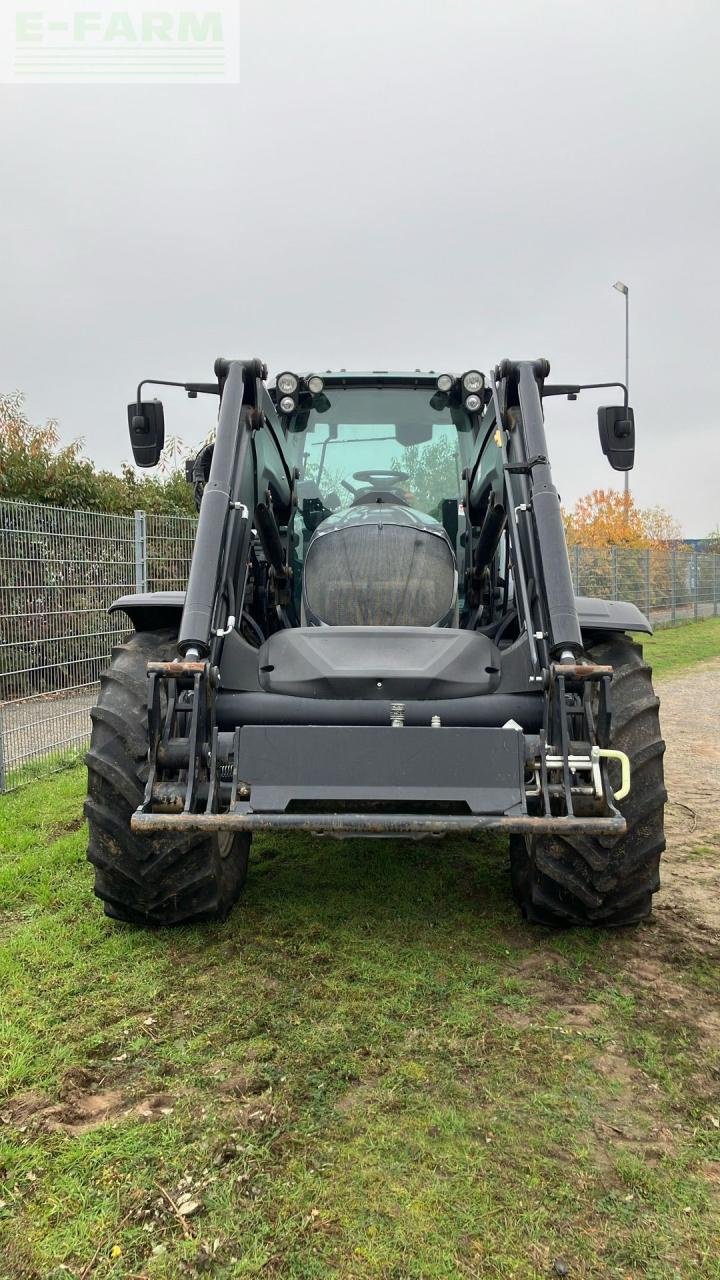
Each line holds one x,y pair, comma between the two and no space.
148,880
606,881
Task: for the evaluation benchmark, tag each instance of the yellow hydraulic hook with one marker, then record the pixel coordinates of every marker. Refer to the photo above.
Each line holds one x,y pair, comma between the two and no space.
608,754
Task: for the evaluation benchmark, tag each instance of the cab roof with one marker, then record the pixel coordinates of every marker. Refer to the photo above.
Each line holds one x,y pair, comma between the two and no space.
373,377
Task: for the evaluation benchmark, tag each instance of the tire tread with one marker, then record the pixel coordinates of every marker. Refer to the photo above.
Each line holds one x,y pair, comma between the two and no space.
562,880
162,880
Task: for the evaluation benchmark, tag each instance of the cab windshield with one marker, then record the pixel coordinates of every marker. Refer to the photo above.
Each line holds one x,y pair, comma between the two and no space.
398,441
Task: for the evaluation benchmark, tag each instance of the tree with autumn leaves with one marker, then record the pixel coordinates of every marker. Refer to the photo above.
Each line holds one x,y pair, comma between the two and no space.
605,518
620,550
36,467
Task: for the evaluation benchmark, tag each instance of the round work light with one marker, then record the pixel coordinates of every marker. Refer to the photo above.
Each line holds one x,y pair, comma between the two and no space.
473,380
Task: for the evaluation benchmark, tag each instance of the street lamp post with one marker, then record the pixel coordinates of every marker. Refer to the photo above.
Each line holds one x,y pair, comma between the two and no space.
623,288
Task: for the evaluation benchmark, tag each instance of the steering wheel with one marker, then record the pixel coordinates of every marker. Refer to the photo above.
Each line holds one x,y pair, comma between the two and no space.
377,479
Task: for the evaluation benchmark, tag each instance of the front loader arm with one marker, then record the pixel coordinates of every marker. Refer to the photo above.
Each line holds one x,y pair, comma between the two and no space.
527,450
249,474
509,485
248,461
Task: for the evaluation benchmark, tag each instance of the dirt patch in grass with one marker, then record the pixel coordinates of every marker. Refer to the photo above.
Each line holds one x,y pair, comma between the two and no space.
356,1098
255,1116
86,1099
238,1084
678,1002
630,1128
66,828
645,988
81,1105
625,1119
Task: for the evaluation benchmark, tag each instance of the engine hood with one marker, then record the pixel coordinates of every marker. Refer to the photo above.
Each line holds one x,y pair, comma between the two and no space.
378,564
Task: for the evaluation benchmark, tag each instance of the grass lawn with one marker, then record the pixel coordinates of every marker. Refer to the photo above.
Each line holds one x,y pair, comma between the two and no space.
374,1069
675,648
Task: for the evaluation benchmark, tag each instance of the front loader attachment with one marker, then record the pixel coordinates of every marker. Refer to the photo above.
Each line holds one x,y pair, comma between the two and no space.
340,764
405,661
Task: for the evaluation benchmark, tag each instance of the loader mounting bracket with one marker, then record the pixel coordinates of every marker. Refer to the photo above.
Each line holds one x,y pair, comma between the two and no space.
181,709
576,709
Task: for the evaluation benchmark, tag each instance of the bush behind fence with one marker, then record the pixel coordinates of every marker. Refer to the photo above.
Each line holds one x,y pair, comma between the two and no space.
60,570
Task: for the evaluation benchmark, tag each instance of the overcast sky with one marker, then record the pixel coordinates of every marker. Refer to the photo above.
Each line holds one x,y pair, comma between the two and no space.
393,184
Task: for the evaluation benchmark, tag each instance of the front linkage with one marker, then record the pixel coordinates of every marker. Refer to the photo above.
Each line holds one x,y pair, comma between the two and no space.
202,779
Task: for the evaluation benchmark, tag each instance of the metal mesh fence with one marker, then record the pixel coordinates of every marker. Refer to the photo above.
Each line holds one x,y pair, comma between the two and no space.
61,569
59,572
669,585
168,551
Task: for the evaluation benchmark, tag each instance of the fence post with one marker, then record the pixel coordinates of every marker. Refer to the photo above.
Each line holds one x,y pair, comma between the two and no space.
614,573
140,552
715,584
577,568
696,575
2,754
673,591
647,583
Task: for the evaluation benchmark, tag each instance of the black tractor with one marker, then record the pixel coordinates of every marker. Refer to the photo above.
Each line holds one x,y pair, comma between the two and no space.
379,638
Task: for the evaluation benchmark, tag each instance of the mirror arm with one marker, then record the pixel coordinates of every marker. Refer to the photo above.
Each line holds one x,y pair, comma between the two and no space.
571,390
192,388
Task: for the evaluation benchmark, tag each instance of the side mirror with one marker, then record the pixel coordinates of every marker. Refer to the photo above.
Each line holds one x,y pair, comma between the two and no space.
617,436
147,432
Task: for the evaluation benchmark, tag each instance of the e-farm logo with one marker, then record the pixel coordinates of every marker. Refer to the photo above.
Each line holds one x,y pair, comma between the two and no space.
171,42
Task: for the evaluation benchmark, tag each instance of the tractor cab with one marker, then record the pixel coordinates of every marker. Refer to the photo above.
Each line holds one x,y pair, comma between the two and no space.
379,459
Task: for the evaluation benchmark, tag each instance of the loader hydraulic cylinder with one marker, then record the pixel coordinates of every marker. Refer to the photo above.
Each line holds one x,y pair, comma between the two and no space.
228,463
552,555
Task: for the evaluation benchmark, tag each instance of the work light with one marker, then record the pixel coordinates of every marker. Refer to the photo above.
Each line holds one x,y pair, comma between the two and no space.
473,403
473,380
315,384
287,384
445,382
287,404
